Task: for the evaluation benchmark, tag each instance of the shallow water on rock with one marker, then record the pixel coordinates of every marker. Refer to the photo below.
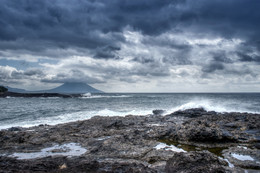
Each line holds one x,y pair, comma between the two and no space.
70,149
168,147
216,150
242,157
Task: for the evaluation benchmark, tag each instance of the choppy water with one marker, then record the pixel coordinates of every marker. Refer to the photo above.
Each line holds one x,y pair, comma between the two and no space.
27,112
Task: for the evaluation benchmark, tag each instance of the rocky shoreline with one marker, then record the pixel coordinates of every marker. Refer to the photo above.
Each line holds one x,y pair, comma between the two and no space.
192,140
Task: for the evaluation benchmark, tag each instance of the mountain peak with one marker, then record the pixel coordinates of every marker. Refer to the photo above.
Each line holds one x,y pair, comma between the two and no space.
66,88
74,87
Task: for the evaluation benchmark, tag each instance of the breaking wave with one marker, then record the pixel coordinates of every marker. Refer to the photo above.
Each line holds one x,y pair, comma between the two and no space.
52,111
90,96
210,106
75,116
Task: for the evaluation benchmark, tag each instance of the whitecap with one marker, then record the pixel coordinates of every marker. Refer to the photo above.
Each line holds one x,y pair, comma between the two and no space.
208,105
89,96
74,116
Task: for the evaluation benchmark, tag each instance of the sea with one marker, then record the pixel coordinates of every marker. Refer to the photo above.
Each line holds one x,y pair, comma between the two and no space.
27,112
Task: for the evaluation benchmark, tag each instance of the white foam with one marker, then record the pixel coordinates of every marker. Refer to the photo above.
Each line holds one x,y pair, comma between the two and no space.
49,97
155,124
242,147
70,117
86,95
90,96
70,149
103,138
242,157
208,105
168,147
229,163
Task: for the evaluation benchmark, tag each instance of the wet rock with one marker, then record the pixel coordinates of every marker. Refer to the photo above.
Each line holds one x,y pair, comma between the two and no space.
219,128
127,143
115,124
158,112
76,165
157,156
191,113
195,162
13,129
243,157
257,145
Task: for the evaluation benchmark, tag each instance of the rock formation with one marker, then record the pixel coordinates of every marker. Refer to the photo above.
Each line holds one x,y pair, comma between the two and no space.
191,140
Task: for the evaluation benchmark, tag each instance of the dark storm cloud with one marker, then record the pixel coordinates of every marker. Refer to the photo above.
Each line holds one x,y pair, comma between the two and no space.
178,59
229,18
52,24
106,52
221,57
143,60
180,55
248,58
65,23
96,28
212,67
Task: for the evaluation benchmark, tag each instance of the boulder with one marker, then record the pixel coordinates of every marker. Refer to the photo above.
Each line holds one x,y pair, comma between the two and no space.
158,112
195,162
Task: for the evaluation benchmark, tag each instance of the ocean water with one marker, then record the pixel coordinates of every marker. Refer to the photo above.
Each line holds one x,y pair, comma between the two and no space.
26,112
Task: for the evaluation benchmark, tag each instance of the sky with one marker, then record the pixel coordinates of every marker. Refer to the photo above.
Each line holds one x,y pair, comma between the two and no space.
131,45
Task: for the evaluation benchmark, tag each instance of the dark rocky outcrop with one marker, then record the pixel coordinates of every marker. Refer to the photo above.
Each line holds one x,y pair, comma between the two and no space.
75,165
158,112
195,162
134,143
3,89
216,128
191,113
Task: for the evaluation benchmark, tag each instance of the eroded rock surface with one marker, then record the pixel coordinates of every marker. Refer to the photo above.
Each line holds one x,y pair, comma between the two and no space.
128,144
243,157
195,162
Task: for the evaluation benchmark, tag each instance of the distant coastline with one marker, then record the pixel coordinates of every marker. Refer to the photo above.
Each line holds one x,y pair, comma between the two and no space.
14,94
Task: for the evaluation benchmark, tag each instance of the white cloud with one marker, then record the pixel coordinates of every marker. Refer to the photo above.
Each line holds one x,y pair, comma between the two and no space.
170,62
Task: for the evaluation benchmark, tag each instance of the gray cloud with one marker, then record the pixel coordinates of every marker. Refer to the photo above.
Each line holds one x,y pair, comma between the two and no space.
170,39
72,76
212,67
34,72
248,58
106,52
221,57
78,23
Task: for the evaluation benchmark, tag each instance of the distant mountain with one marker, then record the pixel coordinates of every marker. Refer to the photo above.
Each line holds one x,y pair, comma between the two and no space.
73,88
16,90
66,88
